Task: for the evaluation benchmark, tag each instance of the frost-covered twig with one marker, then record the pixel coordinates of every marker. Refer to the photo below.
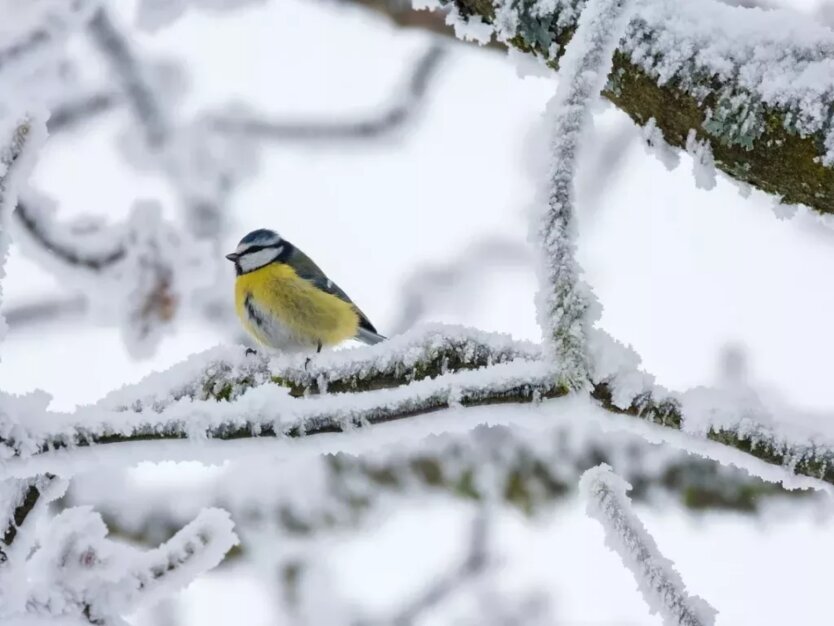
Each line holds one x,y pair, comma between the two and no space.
149,266
69,113
18,499
405,105
44,311
91,249
80,573
565,302
16,159
659,582
527,470
141,97
52,25
427,284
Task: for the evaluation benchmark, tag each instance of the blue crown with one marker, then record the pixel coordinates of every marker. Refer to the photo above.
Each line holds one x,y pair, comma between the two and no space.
261,237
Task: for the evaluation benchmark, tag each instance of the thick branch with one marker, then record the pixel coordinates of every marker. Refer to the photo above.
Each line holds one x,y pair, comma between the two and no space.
756,137
275,413
529,471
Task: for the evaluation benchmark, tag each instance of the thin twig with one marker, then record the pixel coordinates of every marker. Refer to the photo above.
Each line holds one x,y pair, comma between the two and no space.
74,256
29,492
44,311
659,582
126,68
69,114
474,564
406,105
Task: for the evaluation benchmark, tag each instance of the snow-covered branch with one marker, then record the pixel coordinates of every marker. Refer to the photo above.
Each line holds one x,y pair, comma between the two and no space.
88,247
566,306
659,582
72,112
78,572
47,26
145,259
225,394
528,470
16,160
18,500
755,85
140,95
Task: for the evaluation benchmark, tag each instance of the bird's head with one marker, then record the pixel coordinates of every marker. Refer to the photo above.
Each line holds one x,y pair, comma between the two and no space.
258,248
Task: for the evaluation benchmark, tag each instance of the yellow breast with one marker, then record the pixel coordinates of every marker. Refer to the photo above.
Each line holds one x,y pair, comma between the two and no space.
310,314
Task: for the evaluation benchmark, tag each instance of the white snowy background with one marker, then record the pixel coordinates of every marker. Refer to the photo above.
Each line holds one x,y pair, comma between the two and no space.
685,276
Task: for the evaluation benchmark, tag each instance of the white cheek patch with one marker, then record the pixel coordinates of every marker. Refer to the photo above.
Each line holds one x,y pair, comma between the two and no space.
254,260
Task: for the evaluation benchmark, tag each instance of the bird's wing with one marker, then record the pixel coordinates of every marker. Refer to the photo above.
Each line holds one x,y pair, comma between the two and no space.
308,270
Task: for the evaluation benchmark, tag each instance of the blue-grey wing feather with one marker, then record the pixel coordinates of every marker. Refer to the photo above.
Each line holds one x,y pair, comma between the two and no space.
308,270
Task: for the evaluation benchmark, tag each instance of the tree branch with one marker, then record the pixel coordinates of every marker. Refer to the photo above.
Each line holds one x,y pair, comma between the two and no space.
71,113
44,311
20,498
210,397
659,582
529,471
765,139
406,103
61,244
125,67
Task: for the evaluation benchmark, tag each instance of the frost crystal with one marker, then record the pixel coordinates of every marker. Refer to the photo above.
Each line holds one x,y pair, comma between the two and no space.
656,145
703,164
471,28
659,582
566,306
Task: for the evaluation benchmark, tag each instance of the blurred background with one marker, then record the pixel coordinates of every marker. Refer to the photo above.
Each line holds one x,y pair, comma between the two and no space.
405,163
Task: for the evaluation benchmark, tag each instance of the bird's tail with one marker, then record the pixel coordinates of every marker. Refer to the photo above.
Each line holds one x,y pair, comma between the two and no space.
369,337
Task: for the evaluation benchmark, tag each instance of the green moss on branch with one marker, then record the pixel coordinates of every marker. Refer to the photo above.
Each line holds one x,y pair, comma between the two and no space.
754,144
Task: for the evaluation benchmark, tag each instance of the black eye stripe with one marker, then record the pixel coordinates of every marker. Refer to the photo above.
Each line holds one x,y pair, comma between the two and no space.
252,249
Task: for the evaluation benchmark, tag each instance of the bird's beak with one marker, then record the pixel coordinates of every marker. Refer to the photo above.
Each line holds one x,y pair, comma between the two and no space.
233,256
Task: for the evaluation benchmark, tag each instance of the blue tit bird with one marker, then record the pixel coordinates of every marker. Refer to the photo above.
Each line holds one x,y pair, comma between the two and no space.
287,303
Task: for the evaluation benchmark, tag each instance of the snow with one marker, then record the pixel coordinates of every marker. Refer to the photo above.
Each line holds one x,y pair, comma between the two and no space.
78,570
567,308
703,163
776,58
663,590
470,28
657,146
672,323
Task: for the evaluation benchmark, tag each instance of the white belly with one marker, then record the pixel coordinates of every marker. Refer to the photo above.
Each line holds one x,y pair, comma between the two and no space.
272,332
